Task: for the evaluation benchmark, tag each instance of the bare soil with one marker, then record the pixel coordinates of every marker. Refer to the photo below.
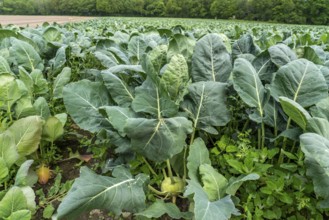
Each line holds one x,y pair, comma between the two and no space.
33,21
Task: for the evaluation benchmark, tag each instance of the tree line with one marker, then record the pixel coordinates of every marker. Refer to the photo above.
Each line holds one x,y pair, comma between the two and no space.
287,11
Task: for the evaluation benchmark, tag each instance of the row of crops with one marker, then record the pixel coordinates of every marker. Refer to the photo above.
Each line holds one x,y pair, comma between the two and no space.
200,119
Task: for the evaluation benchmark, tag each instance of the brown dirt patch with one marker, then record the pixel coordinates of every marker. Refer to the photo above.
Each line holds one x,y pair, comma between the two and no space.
33,21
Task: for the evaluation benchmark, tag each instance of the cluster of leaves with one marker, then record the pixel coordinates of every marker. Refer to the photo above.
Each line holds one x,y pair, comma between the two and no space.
209,119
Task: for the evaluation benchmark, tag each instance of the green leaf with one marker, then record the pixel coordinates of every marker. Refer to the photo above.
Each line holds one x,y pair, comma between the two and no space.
22,173
48,211
316,150
235,183
181,44
264,67
4,66
4,170
27,134
82,100
8,148
9,90
211,61
52,34
295,111
281,54
41,107
245,45
40,86
158,139
214,183
248,85
121,93
20,215
13,201
175,77
315,54
205,209
108,60
60,81
159,208
52,129
319,126
203,98
321,109
25,55
301,81
154,100
115,194
59,60
118,116
198,155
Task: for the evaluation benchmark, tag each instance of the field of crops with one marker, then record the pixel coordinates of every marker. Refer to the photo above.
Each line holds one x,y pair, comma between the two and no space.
121,118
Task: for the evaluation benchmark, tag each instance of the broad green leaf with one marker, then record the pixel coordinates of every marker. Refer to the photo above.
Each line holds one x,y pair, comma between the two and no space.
82,100
245,45
24,107
158,57
301,81
122,68
159,208
9,90
158,139
211,61
295,111
4,66
108,60
207,210
316,150
8,148
321,109
264,67
13,201
121,93
198,155
52,129
22,173
118,116
27,134
281,54
20,215
60,81
150,98
214,183
206,104
273,115
41,107
319,126
26,78
325,72
62,117
181,44
29,195
52,34
59,60
122,192
235,183
247,83
11,33
40,84
4,170
175,77
137,46
25,55
315,54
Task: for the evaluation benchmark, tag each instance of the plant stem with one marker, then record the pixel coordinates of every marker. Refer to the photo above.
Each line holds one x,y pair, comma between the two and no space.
150,167
170,172
280,160
259,138
245,126
156,191
263,135
9,112
185,154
